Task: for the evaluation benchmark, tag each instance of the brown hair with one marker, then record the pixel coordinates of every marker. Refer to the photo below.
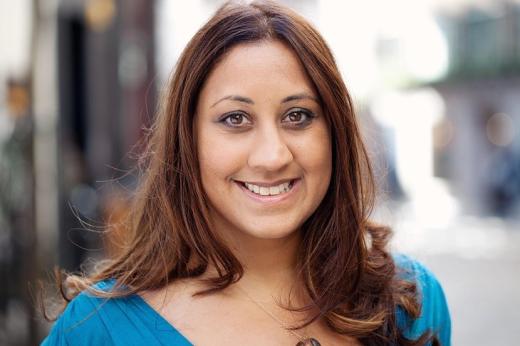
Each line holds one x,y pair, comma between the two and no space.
343,260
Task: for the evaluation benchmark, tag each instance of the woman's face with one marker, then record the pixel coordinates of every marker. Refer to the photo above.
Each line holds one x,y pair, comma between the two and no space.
263,142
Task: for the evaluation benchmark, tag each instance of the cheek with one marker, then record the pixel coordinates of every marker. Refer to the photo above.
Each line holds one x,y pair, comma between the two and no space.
320,168
315,154
219,158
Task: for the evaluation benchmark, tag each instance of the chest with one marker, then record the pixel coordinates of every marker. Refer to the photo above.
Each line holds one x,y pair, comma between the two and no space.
220,320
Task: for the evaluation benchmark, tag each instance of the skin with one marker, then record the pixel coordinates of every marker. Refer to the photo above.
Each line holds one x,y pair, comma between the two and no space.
258,120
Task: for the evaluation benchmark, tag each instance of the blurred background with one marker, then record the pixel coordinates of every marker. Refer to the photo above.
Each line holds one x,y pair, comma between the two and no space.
436,85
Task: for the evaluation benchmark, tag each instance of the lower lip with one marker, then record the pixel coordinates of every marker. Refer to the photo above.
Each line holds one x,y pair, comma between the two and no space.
271,199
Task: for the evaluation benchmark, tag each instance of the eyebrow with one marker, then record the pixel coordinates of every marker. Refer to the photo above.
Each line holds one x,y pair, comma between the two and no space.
295,97
235,98
300,96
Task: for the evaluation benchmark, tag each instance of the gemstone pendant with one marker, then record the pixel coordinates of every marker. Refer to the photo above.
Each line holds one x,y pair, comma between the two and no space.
309,342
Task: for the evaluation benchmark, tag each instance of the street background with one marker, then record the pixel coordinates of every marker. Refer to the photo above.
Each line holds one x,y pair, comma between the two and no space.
436,85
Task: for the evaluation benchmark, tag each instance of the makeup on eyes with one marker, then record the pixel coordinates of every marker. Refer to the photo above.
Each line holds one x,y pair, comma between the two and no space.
240,119
300,111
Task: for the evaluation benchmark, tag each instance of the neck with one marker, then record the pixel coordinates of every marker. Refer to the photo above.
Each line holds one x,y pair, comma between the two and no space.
269,264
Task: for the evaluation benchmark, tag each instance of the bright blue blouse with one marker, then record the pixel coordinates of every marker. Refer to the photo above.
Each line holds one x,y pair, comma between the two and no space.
89,320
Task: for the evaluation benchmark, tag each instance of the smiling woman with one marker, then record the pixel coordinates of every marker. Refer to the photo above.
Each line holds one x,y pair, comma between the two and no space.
270,135
251,225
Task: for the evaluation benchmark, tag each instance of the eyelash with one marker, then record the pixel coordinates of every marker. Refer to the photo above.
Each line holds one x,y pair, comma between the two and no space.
307,113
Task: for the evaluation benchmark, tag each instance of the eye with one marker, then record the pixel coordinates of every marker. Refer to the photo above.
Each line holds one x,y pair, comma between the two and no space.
235,120
298,117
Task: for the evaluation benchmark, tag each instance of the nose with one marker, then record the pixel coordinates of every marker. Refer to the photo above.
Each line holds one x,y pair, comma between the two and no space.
269,151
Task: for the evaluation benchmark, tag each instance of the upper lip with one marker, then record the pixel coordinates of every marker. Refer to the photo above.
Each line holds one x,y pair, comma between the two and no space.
267,184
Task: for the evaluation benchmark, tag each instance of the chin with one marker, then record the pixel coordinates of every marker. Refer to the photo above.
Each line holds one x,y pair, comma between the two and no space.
271,230
245,226
272,233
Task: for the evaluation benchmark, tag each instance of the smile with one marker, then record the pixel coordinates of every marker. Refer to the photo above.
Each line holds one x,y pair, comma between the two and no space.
266,191
269,190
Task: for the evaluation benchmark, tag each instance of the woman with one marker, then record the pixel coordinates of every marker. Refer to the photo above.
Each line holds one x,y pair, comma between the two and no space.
251,225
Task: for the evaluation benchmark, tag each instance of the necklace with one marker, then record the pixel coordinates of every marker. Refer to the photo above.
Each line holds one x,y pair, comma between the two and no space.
304,340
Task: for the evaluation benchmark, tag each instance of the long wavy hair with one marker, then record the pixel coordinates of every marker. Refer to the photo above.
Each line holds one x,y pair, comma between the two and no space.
343,261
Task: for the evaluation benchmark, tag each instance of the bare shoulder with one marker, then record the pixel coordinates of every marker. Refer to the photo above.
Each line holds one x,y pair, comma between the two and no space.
173,302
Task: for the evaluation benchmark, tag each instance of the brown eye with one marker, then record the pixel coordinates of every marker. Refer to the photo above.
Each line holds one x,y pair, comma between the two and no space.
235,120
298,118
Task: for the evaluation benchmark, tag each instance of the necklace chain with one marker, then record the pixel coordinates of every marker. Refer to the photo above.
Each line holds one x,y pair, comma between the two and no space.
300,337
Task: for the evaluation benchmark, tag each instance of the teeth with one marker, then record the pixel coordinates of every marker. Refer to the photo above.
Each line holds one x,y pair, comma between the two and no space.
269,191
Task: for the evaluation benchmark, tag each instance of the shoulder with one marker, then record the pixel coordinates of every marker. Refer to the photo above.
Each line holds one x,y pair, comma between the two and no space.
434,308
90,320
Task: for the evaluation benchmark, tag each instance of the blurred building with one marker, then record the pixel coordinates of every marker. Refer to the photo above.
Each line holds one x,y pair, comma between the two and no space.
106,99
71,121
449,106
477,144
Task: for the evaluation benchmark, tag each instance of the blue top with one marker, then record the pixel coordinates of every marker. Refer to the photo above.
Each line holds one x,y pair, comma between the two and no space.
89,320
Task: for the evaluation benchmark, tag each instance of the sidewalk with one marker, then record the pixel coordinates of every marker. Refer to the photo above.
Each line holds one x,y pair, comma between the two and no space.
477,260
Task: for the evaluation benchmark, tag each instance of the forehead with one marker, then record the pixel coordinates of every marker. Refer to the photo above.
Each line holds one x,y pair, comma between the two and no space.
264,67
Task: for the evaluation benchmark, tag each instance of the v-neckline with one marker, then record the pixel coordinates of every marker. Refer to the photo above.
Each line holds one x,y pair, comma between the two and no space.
161,322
